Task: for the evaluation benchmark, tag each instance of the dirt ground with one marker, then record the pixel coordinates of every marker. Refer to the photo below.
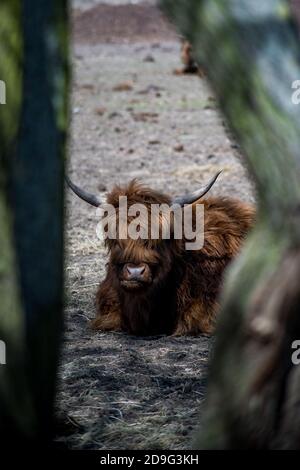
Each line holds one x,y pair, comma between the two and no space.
118,391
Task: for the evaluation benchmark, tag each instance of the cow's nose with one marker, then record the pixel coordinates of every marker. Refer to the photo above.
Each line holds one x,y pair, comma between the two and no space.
135,272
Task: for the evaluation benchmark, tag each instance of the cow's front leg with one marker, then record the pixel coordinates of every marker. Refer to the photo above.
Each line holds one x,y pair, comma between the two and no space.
108,309
197,318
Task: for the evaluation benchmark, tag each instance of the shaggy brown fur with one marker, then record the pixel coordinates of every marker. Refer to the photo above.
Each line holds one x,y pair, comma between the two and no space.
190,66
181,287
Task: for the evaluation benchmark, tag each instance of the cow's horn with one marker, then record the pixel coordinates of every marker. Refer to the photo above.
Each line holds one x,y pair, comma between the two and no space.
87,197
196,195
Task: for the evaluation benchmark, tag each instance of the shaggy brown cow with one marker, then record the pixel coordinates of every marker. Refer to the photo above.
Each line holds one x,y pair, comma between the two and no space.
190,65
157,286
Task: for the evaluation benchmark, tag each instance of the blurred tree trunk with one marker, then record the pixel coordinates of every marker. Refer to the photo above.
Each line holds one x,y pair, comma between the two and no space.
33,125
251,52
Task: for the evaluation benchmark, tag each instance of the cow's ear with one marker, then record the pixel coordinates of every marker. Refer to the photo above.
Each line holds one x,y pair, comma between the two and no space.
196,195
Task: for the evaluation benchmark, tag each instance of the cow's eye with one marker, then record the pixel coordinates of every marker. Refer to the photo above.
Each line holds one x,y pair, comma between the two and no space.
153,263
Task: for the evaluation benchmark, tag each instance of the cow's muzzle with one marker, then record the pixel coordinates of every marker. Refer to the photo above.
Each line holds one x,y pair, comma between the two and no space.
136,275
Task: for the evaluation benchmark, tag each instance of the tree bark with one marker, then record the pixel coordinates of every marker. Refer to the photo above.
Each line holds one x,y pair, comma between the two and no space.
251,53
33,126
